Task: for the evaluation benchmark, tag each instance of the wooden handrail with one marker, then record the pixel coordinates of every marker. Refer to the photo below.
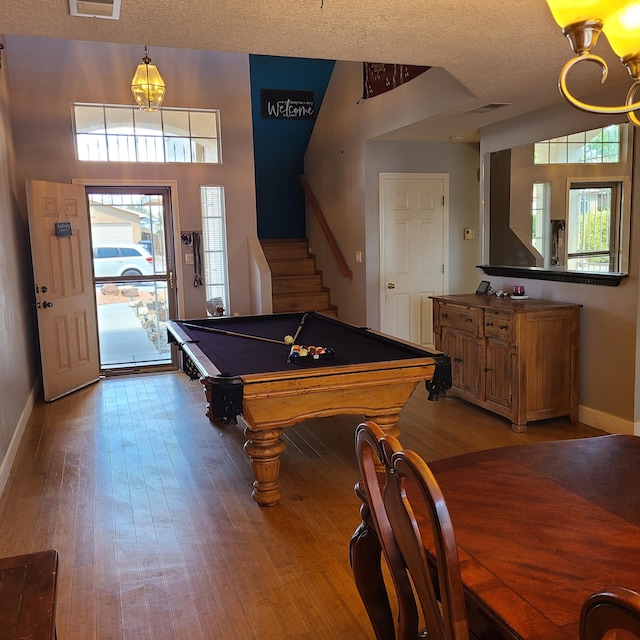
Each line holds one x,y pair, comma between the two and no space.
346,272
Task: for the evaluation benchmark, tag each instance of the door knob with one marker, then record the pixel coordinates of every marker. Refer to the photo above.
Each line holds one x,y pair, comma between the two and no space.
44,289
46,304
391,285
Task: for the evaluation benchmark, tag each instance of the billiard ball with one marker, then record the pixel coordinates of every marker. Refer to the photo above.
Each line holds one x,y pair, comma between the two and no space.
288,339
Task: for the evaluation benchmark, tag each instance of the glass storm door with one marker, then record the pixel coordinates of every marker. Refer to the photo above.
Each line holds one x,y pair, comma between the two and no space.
133,265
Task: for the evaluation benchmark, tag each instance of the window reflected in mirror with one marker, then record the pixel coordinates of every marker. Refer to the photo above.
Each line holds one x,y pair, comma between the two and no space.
540,217
596,146
592,229
562,203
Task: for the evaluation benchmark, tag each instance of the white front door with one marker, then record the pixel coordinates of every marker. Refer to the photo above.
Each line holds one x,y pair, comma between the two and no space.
413,256
63,278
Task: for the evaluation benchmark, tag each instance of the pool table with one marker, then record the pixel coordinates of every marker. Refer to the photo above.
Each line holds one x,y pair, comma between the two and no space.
369,374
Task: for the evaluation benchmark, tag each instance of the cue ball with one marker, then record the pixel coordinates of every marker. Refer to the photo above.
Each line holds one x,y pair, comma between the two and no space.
288,339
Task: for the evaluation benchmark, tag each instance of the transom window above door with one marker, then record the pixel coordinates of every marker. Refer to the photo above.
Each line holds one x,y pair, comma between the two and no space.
122,133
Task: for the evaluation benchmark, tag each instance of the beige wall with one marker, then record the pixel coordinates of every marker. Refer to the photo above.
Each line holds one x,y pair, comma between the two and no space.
342,163
18,337
460,161
47,75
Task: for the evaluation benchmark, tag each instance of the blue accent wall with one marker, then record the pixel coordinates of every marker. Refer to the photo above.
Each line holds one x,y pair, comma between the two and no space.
279,145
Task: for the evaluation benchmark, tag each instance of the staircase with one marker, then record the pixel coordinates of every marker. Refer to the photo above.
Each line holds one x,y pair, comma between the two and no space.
295,282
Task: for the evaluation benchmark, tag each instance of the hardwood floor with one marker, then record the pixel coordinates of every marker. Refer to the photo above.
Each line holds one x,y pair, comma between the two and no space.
149,507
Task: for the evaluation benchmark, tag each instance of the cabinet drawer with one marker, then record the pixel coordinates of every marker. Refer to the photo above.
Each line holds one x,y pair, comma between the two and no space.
497,324
458,317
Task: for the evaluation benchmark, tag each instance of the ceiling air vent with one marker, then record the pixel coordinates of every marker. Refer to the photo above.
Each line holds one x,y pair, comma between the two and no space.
109,9
492,106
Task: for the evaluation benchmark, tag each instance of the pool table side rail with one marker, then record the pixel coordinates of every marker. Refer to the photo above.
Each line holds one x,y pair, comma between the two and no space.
187,346
342,390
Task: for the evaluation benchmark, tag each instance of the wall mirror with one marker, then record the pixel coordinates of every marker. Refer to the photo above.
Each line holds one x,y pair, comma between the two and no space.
559,209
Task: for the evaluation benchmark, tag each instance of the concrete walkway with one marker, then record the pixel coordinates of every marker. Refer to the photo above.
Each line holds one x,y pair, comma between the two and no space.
123,341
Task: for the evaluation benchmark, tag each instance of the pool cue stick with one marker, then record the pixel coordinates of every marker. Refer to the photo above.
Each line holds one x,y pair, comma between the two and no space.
232,333
304,319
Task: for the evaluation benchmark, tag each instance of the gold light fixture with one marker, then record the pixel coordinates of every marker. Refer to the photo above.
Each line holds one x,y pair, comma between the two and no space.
147,85
581,22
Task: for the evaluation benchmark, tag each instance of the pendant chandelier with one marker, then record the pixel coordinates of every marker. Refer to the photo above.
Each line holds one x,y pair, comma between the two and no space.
147,85
581,22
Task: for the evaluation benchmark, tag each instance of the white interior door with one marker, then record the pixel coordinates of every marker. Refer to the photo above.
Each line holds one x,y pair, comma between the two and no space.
63,278
413,262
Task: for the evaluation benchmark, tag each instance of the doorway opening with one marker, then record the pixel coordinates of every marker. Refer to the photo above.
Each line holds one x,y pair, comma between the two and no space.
133,265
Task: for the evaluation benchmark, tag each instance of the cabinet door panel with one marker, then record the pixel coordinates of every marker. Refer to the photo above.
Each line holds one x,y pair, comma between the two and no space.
449,345
499,371
470,364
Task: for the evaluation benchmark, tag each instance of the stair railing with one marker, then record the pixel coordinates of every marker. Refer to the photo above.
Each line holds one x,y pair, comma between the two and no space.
344,268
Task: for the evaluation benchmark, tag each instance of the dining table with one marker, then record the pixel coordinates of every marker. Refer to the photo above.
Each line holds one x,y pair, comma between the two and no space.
28,585
539,527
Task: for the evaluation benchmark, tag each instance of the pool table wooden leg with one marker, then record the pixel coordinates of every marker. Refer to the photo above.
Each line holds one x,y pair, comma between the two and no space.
387,422
264,448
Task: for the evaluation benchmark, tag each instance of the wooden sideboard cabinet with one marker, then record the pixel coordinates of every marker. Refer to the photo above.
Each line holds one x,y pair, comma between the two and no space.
517,358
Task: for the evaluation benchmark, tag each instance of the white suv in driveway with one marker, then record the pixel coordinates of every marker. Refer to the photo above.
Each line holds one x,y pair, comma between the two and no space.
121,260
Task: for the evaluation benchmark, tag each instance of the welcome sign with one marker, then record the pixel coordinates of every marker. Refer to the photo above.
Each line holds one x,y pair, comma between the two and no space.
284,104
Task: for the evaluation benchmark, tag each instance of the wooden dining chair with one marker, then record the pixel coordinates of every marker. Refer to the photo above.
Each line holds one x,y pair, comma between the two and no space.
608,612
409,512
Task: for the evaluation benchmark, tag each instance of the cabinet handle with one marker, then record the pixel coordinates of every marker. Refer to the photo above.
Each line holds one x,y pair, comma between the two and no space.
486,369
444,315
457,359
503,326
489,324
468,319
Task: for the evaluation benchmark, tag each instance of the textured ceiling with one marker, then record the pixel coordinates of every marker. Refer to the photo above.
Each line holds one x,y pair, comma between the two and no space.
501,52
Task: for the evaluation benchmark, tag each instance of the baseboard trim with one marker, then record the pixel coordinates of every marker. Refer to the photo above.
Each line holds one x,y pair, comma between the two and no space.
607,422
12,449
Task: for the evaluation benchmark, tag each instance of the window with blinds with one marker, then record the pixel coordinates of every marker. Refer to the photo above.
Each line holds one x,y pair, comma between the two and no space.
214,245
